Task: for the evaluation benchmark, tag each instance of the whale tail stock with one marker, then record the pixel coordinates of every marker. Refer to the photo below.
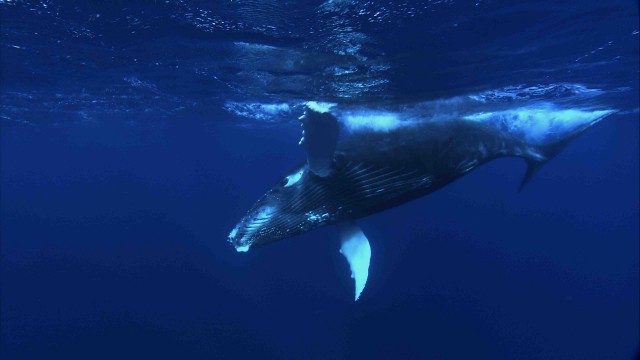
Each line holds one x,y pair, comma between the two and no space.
541,152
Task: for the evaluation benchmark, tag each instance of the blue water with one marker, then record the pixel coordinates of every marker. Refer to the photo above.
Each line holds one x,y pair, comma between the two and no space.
135,135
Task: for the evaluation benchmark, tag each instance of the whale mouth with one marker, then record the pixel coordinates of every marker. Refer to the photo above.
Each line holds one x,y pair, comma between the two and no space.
244,248
236,240
242,237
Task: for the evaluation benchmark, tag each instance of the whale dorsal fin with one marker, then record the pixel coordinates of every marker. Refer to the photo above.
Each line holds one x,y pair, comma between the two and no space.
355,247
319,140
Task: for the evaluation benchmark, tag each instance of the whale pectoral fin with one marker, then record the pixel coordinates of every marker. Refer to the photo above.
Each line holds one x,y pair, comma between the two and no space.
355,247
319,140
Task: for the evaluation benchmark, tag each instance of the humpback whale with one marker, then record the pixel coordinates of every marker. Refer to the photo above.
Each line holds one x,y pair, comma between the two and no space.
358,165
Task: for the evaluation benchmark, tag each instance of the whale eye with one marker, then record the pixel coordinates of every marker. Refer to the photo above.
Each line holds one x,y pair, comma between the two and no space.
339,160
284,182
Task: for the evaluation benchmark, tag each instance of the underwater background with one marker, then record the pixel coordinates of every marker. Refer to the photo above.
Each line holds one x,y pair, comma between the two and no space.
135,135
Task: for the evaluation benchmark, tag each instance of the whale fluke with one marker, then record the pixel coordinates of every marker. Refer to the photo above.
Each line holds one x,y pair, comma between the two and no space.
532,168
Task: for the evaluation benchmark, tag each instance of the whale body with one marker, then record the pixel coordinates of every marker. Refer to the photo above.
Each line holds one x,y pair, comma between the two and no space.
359,165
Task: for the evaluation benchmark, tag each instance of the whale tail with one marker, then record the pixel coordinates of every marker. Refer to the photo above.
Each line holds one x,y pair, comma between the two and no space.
554,135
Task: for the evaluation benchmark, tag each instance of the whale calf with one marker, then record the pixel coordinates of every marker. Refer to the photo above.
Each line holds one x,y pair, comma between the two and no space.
359,164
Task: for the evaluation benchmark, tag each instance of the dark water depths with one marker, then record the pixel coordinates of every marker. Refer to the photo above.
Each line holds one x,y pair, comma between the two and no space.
136,134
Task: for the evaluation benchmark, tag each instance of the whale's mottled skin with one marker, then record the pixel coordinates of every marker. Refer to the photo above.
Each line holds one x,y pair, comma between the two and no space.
375,169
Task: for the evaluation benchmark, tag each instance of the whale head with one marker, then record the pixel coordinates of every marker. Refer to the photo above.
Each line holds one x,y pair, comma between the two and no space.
302,200
279,214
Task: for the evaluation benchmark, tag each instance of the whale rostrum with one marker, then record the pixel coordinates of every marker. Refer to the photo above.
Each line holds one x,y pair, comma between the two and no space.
357,166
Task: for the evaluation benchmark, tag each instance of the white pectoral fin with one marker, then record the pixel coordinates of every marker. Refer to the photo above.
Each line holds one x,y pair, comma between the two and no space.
355,247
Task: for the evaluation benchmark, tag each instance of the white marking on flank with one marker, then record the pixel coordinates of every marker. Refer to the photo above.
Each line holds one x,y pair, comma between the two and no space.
294,178
539,122
374,121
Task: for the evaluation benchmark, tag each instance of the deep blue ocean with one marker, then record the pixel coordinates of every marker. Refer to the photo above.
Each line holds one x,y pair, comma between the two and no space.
136,134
